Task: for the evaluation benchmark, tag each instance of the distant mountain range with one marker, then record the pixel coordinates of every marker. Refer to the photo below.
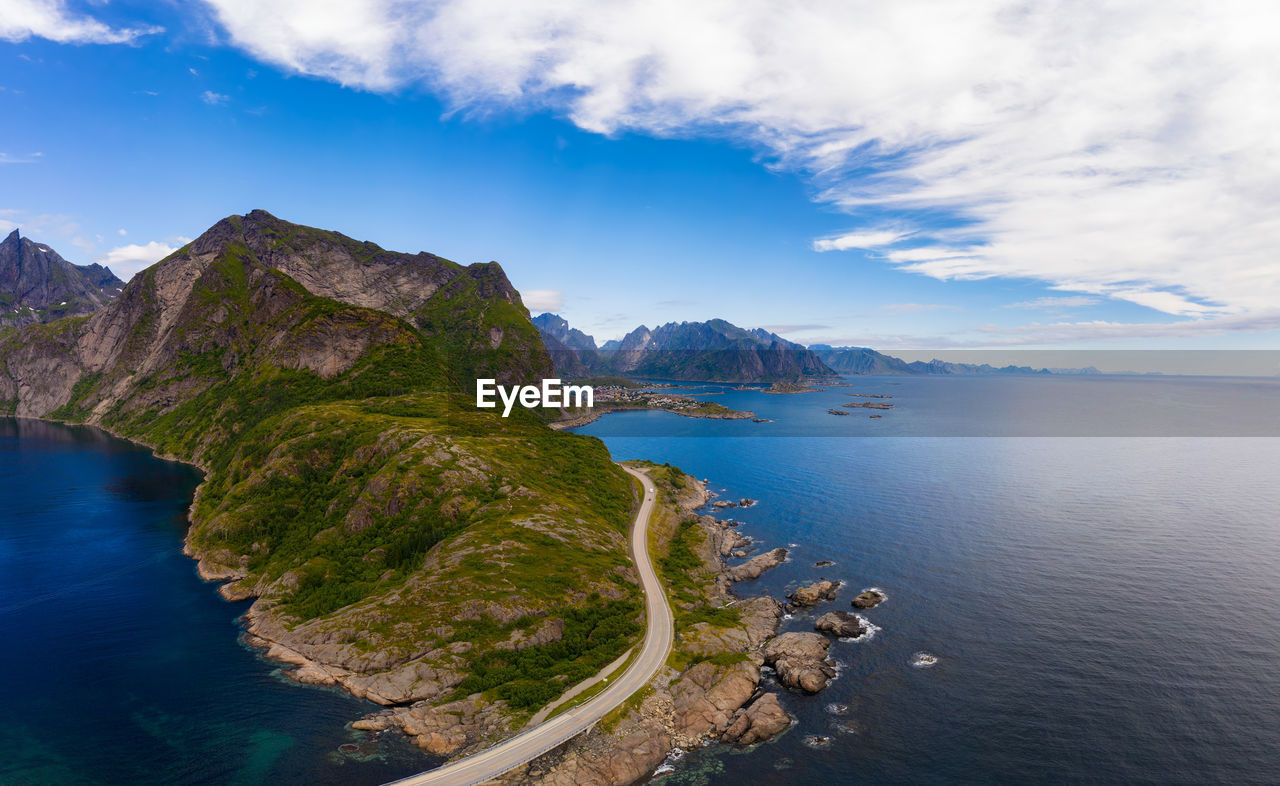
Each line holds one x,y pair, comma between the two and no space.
852,361
712,351
718,351
38,285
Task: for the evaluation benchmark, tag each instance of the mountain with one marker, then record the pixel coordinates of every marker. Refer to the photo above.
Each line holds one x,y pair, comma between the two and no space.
851,361
573,353
38,285
713,351
391,533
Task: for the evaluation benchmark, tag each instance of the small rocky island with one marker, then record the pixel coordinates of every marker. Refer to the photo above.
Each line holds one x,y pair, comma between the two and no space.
788,388
867,405
869,599
844,624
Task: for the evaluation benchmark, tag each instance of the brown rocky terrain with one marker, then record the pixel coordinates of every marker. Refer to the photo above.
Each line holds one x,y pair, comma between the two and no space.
868,599
801,660
813,594
842,624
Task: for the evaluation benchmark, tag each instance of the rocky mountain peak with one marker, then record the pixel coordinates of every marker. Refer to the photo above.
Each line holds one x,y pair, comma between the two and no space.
38,285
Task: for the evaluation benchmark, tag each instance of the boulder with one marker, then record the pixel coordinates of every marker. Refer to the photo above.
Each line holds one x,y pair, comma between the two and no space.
800,660
868,599
754,567
760,720
814,593
844,624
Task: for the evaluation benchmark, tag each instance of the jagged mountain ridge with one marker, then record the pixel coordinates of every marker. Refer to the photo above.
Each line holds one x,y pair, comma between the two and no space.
38,285
711,351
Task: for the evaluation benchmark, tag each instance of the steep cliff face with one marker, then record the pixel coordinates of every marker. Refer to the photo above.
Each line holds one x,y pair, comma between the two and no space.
38,285
255,292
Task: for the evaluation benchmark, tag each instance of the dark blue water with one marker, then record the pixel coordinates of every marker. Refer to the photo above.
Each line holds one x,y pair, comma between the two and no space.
1104,608
119,664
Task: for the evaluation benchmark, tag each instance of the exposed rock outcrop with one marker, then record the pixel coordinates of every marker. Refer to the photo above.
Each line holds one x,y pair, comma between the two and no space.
445,729
868,599
842,624
760,720
800,660
814,594
707,696
756,566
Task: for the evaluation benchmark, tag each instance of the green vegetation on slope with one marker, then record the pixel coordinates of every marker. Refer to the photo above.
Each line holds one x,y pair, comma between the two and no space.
350,481
528,678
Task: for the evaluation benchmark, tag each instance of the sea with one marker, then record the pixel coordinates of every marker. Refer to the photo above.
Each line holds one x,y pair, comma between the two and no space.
1091,563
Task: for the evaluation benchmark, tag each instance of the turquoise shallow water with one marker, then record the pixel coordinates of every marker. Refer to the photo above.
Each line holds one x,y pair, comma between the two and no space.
1104,608
121,665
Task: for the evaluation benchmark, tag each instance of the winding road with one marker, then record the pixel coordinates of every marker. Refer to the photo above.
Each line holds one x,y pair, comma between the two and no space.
528,745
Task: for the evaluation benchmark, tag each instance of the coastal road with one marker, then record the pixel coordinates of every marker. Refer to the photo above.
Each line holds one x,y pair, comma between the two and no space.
530,744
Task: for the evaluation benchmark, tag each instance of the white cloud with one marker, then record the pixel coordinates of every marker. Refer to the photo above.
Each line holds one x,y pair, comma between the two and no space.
24,19
1103,330
126,260
214,99
1120,149
873,238
122,232
541,300
1067,301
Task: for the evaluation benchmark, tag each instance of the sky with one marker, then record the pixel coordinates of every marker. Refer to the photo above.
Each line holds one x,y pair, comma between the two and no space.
907,175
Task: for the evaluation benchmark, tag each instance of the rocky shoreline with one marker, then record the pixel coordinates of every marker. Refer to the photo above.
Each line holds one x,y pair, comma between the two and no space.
720,698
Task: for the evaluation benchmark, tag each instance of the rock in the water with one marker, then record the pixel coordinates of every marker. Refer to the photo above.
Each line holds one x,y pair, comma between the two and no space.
758,721
746,502
822,563
754,567
800,660
869,599
844,624
814,593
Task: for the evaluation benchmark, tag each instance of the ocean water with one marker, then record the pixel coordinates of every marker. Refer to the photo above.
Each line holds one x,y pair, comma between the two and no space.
1094,562
1104,607
120,665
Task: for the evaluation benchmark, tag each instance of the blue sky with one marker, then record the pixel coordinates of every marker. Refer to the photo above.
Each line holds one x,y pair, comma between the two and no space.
705,182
